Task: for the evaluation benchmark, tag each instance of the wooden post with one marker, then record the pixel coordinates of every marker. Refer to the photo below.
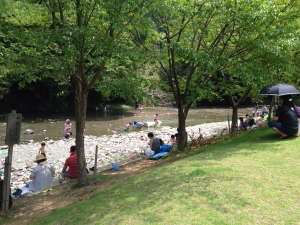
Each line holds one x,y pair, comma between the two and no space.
13,129
95,166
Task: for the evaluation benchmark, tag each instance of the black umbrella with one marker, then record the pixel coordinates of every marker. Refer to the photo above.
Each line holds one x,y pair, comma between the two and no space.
279,89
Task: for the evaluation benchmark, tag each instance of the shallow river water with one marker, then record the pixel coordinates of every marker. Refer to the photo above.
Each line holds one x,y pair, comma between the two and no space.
102,123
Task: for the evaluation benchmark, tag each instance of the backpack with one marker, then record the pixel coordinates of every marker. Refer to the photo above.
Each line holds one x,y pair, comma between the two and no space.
165,148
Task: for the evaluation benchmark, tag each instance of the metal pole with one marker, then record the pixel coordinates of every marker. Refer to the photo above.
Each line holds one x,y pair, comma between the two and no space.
6,181
95,166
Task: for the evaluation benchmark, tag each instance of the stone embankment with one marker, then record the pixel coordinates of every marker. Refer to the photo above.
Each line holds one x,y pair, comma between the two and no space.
112,148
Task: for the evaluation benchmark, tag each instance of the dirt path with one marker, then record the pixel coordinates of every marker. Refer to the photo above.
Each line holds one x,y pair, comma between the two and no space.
26,210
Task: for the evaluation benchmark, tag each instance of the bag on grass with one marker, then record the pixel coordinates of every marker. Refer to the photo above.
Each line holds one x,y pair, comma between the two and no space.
115,167
165,148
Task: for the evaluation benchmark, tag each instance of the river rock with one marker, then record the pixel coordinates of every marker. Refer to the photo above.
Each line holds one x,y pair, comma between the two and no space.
28,131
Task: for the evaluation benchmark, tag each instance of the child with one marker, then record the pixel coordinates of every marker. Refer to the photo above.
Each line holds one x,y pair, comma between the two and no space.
172,140
140,108
68,126
176,138
128,127
67,136
156,120
257,113
42,149
0,176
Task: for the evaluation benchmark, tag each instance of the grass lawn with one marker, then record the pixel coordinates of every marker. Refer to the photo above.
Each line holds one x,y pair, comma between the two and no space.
250,179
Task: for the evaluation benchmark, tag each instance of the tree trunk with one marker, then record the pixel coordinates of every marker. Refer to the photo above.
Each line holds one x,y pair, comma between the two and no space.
80,115
182,135
234,119
80,100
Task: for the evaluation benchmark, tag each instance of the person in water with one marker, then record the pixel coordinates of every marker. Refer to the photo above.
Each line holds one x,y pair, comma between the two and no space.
68,126
285,121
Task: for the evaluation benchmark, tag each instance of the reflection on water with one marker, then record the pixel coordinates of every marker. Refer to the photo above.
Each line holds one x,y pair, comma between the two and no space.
104,123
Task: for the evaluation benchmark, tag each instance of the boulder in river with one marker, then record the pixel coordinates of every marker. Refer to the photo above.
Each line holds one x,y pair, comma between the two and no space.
28,131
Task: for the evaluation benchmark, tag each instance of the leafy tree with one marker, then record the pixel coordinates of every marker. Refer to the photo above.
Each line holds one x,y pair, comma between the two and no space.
79,42
205,38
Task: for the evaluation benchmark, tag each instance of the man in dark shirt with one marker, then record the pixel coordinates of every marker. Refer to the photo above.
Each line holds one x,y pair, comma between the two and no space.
285,121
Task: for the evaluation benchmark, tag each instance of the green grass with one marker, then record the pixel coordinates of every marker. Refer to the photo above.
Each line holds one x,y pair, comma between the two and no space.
250,179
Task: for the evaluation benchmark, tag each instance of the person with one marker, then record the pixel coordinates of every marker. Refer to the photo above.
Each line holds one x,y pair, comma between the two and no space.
172,140
128,127
1,176
243,125
97,109
176,137
138,126
154,145
259,121
68,126
156,120
265,110
71,163
140,108
41,175
136,106
251,122
257,113
285,120
247,118
42,149
67,136
256,106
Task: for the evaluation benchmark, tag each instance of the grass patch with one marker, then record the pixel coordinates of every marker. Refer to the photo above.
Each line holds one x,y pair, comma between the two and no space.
250,179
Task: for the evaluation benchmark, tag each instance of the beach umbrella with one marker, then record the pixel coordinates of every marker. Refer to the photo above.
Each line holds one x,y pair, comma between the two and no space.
279,89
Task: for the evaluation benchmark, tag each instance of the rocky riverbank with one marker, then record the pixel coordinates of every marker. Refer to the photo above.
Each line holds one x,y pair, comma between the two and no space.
112,148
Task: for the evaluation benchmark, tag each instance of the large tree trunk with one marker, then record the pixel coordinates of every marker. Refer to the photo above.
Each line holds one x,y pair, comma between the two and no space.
80,100
182,135
234,119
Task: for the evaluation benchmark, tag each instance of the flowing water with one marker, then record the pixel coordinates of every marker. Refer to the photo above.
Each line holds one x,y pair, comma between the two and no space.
105,123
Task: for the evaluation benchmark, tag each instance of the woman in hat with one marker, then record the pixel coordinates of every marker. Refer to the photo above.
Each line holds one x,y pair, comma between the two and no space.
68,126
41,175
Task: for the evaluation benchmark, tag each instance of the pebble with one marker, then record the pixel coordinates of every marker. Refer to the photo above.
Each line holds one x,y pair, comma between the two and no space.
111,148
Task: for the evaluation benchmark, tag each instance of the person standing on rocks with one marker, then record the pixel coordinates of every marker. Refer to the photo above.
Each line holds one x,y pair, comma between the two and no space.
68,126
42,149
156,120
71,163
41,176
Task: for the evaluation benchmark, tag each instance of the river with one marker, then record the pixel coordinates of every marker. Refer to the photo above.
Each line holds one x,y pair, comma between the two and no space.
114,120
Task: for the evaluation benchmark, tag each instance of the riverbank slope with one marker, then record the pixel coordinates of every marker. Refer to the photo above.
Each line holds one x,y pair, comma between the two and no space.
252,178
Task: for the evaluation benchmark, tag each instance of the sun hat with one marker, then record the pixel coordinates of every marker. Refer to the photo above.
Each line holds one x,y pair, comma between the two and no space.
67,120
39,157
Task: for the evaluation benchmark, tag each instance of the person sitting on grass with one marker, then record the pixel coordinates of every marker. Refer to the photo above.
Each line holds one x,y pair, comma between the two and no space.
154,145
71,162
172,140
243,125
285,121
41,175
